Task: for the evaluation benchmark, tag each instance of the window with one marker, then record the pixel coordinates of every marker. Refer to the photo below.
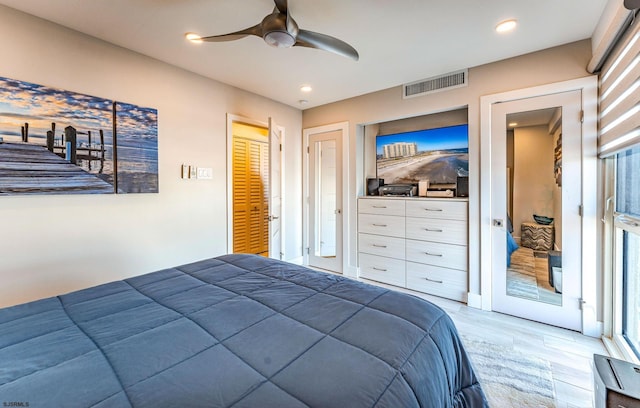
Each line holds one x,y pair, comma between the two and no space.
619,145
631,291
627,245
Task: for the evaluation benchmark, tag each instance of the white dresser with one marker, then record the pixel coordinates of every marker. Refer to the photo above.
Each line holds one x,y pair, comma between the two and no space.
416,243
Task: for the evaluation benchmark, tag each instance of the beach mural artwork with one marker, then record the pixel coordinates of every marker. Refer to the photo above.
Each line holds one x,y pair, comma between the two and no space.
54,141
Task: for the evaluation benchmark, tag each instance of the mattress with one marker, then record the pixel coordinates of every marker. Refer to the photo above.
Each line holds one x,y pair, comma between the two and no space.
234,331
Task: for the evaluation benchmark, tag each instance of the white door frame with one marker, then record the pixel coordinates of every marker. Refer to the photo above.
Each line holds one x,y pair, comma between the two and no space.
306,133
275,217
241,119
589,87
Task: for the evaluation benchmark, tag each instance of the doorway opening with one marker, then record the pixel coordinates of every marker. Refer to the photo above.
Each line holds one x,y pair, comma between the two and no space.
567,241
324,166
254,184
250,152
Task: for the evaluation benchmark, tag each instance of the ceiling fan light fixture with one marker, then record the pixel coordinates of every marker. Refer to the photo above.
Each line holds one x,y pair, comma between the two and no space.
279,39
506,26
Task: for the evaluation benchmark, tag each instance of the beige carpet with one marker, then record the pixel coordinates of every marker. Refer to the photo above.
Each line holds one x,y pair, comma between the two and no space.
510,378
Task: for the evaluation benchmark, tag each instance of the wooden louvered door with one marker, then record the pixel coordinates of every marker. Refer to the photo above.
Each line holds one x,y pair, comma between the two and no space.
251,193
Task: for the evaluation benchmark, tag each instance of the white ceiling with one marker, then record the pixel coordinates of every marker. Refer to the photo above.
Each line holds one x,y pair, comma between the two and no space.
399,41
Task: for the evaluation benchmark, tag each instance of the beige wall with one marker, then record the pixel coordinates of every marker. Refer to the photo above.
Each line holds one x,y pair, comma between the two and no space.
54,244
548,66
533,182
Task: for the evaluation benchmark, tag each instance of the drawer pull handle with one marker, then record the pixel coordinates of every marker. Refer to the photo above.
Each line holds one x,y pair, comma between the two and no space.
430,254
433,209
379,246
379,206
379,225
433,280
379,269
433,230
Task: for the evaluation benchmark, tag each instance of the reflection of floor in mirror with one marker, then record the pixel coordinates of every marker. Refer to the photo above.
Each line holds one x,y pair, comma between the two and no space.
528,277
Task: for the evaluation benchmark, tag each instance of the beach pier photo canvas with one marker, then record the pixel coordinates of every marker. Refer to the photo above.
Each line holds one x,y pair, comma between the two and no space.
54,141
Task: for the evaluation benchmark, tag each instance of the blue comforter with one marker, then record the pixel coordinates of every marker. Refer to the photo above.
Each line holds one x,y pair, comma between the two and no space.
234,331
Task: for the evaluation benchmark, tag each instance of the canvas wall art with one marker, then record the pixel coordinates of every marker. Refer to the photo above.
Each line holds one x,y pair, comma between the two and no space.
54,141
439,155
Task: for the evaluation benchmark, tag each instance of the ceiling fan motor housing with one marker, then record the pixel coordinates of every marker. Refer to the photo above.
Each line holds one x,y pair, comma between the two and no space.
278,32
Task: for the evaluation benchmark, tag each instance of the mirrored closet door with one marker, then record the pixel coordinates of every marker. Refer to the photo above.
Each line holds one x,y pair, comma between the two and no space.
536,238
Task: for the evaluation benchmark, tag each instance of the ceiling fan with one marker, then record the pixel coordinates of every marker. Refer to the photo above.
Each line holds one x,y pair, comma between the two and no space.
279,29
632,4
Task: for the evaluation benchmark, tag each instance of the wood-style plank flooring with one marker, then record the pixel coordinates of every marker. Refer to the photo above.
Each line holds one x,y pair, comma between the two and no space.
569,353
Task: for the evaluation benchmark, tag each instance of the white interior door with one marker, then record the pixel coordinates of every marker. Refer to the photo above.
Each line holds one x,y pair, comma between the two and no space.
325,201
275,198
518,299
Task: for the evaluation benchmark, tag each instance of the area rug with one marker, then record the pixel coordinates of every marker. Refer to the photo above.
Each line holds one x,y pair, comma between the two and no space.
510,378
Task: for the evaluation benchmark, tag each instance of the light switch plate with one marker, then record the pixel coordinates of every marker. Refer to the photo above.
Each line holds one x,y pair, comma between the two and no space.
185,171
205,173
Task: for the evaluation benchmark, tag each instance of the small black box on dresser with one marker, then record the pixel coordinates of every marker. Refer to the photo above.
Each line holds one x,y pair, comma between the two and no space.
462,186
373,184
616,383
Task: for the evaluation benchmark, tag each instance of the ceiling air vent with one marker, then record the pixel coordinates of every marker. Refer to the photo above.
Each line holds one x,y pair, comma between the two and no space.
436,84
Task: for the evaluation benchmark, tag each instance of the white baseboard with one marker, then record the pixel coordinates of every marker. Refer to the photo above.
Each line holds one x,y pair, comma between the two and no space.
474,300
352,272
595,331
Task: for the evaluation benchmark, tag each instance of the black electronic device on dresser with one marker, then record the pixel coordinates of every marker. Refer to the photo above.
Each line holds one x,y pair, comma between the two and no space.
373,184
406,190
462,186
617,383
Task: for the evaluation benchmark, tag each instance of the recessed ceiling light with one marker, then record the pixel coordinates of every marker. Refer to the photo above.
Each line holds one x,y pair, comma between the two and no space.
193,37
306,88
513,124
506,26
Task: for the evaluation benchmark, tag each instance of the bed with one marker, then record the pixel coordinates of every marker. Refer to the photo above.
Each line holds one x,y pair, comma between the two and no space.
234,331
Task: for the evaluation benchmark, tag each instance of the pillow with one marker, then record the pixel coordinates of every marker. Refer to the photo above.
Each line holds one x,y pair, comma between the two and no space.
511,246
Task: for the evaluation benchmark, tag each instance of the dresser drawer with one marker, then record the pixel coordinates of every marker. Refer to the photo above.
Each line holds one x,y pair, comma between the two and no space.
381,206
450,210
445,282
390,247
438,254
436,230
381,225
381,269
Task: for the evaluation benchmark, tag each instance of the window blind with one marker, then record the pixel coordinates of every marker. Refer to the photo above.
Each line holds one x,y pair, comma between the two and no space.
620,95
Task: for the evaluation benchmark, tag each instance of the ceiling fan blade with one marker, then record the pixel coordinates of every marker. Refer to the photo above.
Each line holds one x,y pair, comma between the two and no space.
282,6
632,4
255,30
325,42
